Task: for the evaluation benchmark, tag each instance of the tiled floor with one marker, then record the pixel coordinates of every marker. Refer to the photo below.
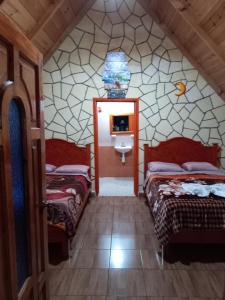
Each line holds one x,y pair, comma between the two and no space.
116,186
114,257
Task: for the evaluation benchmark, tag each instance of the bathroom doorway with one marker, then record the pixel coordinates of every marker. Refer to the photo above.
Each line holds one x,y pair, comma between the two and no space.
116,146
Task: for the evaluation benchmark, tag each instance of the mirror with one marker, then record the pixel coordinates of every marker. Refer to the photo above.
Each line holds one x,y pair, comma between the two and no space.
122,124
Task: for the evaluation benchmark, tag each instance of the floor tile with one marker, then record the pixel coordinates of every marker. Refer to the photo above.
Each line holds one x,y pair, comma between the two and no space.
144,241
80,282
144,227
78,298
100,227
126,282
118,233
125,259
95,241
124,228
125,298
150,259
116,186
92,259
182,283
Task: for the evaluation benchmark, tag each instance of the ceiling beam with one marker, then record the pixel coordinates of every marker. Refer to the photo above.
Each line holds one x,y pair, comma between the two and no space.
50,11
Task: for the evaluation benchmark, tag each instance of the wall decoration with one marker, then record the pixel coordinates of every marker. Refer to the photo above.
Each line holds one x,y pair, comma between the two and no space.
116,73
181,87
73,76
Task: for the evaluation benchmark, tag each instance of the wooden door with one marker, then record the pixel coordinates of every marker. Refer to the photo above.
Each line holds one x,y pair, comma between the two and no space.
23,228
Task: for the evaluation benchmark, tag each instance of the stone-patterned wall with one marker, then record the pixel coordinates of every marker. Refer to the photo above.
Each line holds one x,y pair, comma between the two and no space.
72,77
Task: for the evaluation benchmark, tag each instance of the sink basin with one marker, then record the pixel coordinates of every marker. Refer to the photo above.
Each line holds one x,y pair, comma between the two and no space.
123,149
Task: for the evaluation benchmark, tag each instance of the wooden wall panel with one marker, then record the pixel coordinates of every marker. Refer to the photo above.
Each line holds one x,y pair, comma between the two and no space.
3,63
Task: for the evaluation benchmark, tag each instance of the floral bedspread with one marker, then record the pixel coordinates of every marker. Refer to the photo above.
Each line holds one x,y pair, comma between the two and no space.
66,200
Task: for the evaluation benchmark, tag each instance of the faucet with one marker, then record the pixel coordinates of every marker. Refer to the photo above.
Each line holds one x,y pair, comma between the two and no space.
122,144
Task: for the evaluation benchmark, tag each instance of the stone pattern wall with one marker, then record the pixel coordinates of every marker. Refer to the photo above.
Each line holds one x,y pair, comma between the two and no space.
72,77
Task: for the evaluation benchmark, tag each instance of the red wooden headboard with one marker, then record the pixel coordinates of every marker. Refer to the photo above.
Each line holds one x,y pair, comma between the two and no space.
180,150
60,152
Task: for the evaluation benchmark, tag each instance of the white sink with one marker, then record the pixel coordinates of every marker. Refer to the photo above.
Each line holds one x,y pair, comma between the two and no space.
123,150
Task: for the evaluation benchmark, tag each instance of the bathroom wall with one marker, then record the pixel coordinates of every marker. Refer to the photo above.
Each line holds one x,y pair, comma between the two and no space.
72,77
112,108
110,164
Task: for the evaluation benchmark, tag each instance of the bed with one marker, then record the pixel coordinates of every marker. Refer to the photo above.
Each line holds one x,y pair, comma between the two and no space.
67,192
184,218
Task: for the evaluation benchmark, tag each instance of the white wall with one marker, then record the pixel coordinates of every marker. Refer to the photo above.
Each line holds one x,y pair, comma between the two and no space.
112,108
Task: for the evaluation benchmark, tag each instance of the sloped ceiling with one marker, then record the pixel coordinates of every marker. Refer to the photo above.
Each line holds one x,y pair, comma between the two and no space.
196,27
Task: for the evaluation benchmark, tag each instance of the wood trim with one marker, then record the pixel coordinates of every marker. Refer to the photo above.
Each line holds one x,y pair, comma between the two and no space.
131,125
95,116
50,11
16,37
180,150
35,133
136,138
56,150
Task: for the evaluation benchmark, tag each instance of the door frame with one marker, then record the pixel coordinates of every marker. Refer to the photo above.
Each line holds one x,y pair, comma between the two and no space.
136,140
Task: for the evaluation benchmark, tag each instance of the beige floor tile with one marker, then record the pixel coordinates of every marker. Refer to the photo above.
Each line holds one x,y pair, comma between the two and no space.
134,247
100,228
96,241
144,227
151,260
123,259
77,241
125,298
141,241
124,228
92,259
182,283
126,282
78,298
80,282
102,217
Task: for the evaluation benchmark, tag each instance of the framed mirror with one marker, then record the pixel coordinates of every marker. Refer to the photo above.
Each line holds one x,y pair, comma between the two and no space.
122,124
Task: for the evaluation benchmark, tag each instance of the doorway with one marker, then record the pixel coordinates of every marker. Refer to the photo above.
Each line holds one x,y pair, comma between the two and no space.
116,146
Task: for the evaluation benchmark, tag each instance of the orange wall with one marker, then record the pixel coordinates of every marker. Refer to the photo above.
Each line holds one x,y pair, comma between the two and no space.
110,164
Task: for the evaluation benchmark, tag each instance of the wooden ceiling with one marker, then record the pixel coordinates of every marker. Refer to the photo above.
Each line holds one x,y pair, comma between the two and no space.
197,27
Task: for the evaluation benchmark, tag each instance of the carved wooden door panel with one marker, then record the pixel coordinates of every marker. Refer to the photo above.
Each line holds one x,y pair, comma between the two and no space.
23,228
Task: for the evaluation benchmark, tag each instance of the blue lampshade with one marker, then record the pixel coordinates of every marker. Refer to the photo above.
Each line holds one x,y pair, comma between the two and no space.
116,74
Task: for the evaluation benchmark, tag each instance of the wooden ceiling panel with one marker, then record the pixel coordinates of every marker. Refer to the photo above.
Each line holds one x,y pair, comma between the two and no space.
35,8
197,27
17,12
214,17
59,21
198,9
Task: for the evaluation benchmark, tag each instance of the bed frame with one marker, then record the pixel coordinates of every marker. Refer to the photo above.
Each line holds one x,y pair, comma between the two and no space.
58,153
180,150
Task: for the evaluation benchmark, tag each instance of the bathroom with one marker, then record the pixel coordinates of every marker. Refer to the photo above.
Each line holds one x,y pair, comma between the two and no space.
116,130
